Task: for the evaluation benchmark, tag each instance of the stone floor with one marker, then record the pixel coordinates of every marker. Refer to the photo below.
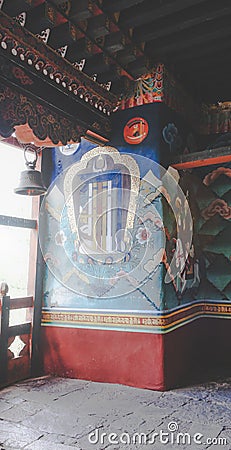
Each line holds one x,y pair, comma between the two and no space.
56,413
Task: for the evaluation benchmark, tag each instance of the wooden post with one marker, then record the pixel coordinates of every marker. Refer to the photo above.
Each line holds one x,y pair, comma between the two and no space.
5,314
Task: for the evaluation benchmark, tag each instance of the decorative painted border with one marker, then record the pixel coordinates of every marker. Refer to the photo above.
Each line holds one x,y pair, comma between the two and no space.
159,322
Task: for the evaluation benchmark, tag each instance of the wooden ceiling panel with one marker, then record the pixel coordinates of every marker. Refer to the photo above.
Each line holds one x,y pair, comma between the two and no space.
98,26
113,6
82,9
203,33
216,47
97,64
182,20
42,17
15,8
147,10
134,35
64,34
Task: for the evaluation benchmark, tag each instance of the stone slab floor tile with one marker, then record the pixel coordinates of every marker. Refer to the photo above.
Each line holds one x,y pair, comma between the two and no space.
17,413
47,421
53,385
16,436
60,413
205,412
4,405
43,444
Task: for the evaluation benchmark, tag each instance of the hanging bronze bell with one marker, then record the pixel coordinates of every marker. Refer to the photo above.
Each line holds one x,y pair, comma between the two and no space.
30,183
30,180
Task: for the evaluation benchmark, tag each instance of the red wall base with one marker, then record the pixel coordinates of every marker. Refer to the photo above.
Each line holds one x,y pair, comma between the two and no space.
197,352
143,360
134,359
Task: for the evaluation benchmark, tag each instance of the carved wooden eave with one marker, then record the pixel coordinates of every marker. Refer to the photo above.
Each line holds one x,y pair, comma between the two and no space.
37,75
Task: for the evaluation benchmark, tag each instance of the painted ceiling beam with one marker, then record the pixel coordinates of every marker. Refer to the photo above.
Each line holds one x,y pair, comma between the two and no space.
25,50
45,93
109,25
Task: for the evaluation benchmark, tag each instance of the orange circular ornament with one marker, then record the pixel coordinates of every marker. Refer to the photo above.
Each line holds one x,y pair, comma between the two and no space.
136,130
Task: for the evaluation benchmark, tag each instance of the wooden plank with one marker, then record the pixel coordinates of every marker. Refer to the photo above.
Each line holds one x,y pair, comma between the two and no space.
64,34
81,10
16,8
118,5
205,158
22,302
97,64
204,64
98,26
4,338
201,34
41,17
36,361
144,13
198,50
19,222
181,21
17,330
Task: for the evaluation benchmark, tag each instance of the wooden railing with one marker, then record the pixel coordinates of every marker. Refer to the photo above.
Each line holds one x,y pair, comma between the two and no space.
15,339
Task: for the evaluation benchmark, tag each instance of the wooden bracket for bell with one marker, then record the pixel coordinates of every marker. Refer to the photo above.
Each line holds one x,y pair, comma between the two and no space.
30,180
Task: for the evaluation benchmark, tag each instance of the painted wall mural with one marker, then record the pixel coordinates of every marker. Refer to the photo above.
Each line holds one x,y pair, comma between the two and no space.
209,193
122,252
106,246
96,215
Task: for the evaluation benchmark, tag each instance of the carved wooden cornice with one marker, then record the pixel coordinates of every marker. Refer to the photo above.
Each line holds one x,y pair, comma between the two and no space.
52,82
16,110
26,48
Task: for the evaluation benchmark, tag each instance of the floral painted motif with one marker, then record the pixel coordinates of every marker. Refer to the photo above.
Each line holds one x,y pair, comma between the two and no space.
218,206
60,238
22,76
212,176
143,235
